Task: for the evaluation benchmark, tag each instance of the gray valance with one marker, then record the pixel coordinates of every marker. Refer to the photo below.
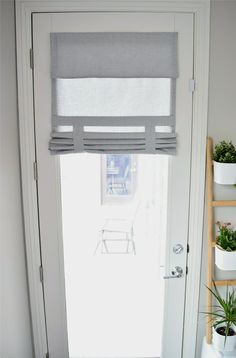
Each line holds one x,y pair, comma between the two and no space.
113,92
122,55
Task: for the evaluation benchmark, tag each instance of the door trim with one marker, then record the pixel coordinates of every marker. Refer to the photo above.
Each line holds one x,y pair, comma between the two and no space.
201,11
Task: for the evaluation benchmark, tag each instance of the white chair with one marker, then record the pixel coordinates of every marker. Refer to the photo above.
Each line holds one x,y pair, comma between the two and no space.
117,236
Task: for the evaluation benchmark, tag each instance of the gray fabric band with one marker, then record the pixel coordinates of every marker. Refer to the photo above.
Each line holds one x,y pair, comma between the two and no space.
114,55
162,144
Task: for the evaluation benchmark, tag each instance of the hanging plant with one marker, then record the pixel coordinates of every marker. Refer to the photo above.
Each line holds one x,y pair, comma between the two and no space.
223,319
225,250
224,157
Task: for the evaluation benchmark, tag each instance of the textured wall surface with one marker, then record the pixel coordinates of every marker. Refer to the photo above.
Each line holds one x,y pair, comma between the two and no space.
15,333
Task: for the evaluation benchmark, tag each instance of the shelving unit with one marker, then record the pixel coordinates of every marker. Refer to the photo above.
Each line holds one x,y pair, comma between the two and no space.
211,204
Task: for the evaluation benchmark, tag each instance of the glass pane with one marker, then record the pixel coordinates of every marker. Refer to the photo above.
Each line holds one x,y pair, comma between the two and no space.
118,177
113,97
113,256
118,174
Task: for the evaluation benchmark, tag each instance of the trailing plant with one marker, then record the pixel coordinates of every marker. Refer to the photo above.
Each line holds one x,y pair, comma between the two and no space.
223,314
224,152
227,237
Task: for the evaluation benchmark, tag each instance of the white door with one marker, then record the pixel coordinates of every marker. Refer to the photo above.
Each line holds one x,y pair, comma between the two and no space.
99,304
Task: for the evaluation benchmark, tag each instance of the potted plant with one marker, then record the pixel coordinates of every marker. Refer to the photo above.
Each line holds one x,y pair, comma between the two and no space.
223,319
225,249
224,157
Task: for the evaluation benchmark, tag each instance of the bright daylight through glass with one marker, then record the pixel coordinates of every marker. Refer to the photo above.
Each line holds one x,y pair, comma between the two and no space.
114,213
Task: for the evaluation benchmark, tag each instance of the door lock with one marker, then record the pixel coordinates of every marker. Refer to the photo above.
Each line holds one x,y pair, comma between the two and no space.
178,249
176,272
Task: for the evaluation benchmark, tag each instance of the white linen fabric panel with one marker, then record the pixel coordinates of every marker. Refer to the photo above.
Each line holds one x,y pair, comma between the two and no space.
113,97
113,92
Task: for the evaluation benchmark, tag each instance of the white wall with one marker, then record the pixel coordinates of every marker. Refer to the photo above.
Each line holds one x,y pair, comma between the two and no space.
222,117
15,330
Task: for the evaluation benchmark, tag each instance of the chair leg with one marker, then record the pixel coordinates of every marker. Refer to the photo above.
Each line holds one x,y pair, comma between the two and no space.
132,240
134,249
100,241
96,249
105,245
127,248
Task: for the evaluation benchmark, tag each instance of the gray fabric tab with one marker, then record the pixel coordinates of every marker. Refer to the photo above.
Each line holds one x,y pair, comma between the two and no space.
114,121
114,55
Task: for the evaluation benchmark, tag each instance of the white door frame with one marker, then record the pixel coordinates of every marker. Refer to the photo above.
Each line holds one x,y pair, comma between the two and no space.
201,11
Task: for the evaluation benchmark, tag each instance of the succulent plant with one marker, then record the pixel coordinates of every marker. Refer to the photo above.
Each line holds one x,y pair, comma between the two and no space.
224,152
227,237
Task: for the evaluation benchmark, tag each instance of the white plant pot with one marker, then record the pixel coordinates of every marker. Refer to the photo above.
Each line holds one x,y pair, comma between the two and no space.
225,173
225,260
220,344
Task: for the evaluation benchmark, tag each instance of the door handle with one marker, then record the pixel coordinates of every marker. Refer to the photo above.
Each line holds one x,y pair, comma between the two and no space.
176,272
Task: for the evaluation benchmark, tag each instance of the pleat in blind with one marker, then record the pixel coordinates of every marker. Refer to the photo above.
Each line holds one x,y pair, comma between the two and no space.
113,92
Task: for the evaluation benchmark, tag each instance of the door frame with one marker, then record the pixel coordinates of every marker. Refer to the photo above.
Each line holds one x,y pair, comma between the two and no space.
24,11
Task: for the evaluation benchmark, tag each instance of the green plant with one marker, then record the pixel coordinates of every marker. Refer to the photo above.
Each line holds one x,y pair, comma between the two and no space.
227,237
223,313
224,152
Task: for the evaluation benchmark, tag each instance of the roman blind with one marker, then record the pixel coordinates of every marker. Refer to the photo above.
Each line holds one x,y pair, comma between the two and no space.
113,92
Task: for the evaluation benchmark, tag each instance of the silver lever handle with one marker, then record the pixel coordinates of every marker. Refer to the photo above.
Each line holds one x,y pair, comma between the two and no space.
176,272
